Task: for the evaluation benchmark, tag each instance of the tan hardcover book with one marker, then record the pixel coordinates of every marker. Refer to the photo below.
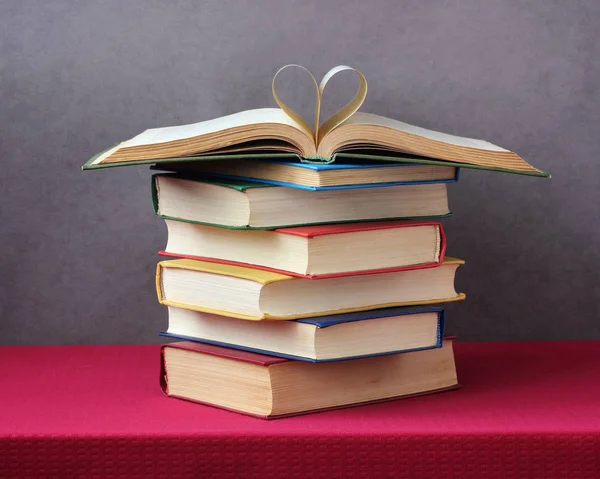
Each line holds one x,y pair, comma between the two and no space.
271,387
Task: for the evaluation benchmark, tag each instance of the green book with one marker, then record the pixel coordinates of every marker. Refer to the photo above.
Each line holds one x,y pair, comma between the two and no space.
240,204
280,133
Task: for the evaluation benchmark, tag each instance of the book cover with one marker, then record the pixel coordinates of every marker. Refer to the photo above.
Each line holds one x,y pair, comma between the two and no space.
331,320
266,361
266,277
335,228
243,186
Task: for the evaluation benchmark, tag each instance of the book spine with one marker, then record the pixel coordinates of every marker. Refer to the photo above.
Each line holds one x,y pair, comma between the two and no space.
316,159
441,329
442,251
154,193
163,380
158,282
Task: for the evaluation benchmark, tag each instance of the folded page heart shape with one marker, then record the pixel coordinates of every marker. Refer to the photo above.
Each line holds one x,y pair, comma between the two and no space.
318,131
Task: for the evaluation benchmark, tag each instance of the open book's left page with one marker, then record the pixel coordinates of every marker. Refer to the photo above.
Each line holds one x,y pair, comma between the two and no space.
250,125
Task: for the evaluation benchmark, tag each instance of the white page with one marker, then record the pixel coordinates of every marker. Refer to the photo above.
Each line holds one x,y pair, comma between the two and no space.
370,119
248,117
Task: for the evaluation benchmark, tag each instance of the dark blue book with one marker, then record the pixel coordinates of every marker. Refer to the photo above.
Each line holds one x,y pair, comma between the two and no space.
319,339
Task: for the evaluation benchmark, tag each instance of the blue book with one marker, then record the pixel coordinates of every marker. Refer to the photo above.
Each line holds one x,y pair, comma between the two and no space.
319,339
325,176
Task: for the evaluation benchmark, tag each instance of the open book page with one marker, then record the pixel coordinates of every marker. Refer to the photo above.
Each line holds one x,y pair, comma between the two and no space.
242,122
236,120
371,119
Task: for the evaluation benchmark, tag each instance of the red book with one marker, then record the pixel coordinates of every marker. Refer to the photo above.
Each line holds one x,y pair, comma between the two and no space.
321,251
524,410
270,387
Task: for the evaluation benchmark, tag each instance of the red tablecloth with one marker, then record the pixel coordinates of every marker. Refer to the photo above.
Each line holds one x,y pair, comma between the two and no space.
524,410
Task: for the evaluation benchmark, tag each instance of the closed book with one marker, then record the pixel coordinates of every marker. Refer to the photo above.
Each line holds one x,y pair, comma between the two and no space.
270,387
255,294
321,251
322,176
247,205
317,339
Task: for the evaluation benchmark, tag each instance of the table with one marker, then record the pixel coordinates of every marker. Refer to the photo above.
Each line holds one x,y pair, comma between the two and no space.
524,410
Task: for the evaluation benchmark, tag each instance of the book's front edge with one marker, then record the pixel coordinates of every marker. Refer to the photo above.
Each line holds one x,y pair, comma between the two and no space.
163,380
366,403
431,161
176,304
164,386
332,408
155,196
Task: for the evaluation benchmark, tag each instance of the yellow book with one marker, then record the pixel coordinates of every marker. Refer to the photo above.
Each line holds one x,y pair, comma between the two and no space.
255,294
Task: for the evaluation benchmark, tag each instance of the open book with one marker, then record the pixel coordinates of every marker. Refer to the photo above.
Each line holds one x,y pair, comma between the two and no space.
283,133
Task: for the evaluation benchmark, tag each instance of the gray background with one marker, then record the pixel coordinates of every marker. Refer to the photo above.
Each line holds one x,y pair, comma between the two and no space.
79,249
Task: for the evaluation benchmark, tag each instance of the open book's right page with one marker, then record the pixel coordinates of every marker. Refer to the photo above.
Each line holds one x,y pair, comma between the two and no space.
394,135
370,118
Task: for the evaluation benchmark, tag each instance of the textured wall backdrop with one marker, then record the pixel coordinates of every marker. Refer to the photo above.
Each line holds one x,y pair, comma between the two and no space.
79,249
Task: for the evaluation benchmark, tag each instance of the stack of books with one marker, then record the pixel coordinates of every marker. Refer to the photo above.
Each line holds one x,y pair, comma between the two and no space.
306,273
319,307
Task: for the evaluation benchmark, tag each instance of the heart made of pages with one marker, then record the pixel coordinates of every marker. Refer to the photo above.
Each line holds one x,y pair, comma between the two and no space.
319,131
